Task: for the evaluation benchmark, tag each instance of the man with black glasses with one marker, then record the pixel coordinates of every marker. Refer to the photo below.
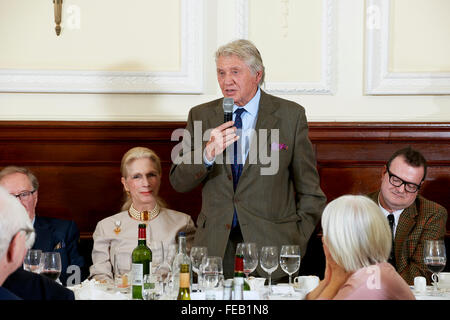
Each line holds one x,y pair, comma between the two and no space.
413,219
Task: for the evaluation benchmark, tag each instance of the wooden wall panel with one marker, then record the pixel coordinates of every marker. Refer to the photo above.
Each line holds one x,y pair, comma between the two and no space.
77,163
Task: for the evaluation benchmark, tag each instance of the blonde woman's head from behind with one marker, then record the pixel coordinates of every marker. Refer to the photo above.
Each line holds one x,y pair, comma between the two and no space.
356,232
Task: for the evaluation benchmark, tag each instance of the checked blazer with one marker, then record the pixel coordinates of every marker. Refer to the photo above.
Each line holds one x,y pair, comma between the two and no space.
423,220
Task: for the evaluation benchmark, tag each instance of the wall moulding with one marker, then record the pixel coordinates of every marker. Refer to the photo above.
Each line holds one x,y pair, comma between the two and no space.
327,78
378,79
189,79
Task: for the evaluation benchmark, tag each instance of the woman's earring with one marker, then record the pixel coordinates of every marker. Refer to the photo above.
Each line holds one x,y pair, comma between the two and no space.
128,193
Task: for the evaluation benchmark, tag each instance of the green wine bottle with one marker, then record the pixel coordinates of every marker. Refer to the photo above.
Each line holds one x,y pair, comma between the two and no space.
184,292
141,263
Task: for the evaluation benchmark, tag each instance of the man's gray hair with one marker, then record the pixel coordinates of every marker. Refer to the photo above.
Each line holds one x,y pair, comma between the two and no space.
15,169
247,52
13,219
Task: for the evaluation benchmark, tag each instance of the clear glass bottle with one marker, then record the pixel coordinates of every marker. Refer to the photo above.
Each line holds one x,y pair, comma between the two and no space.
181,258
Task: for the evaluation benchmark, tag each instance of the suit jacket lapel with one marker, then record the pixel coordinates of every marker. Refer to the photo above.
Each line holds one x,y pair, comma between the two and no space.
43,236
266,121
406,223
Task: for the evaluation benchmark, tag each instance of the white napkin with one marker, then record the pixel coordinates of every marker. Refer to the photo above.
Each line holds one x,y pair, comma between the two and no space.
283,288
94,290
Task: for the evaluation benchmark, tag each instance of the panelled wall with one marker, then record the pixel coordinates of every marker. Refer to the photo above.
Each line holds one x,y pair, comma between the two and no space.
77,164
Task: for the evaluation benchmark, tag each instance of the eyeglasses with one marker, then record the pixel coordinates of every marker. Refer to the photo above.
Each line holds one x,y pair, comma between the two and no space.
397,182
24,195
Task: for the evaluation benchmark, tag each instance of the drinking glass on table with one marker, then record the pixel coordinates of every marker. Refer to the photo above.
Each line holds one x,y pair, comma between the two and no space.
122,271
250,252
197,255
51,265
151,289
32,261
269,261
435,259
290,260
163,271
212,275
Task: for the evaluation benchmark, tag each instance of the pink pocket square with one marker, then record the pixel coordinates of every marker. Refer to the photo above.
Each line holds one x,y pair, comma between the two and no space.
279,146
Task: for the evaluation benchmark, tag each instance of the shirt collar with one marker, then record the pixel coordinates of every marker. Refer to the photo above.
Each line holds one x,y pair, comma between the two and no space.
396,213
253,105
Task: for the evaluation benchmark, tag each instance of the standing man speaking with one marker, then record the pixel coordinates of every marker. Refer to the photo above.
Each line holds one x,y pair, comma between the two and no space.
258,172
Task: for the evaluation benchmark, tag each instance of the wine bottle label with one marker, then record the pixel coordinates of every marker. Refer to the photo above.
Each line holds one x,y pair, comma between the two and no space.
184,280
137,270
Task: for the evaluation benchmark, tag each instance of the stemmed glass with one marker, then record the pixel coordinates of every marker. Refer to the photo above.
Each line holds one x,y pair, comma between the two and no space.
250,253
51,265
269,261
197,255
163,270
212,274
32,261
290,260
435,259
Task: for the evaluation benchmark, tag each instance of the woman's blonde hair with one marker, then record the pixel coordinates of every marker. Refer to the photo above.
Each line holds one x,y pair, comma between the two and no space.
134,154
356,232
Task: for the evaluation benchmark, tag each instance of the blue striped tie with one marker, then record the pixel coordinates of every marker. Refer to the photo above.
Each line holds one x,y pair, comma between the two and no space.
236,168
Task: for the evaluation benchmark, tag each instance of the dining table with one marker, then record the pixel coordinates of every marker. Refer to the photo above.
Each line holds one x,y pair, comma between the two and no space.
95,290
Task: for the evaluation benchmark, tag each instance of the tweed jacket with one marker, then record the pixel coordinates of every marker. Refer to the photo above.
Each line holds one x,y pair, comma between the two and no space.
422,220
273,209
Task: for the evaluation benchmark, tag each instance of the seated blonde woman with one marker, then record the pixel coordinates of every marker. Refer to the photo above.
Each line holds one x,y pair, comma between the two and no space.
357,242
141,179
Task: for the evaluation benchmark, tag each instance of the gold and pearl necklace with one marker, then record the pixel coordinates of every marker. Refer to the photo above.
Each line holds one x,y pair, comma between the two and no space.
144,215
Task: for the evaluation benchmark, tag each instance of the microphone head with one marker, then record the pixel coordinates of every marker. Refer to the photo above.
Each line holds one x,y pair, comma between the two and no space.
228,105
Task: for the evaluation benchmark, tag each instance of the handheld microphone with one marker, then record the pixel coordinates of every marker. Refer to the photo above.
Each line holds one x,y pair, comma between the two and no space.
228,109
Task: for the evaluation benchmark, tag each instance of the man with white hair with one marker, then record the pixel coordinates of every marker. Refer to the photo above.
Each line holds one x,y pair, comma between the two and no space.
265,187
16,236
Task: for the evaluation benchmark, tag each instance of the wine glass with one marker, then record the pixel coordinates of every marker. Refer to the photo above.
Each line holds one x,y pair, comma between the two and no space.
212,274
435,259
32,261
163,271
197,254
290,260
51,265
122,271
269,261
250,253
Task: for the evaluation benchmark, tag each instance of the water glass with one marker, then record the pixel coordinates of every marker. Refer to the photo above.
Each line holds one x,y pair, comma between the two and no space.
151,287
122,271
290,260
32,261
212,275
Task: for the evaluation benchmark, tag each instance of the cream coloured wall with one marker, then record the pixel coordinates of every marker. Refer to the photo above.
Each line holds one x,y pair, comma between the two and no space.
347,103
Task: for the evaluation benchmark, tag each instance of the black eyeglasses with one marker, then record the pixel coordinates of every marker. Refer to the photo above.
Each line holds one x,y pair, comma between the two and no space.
24,195
397,182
